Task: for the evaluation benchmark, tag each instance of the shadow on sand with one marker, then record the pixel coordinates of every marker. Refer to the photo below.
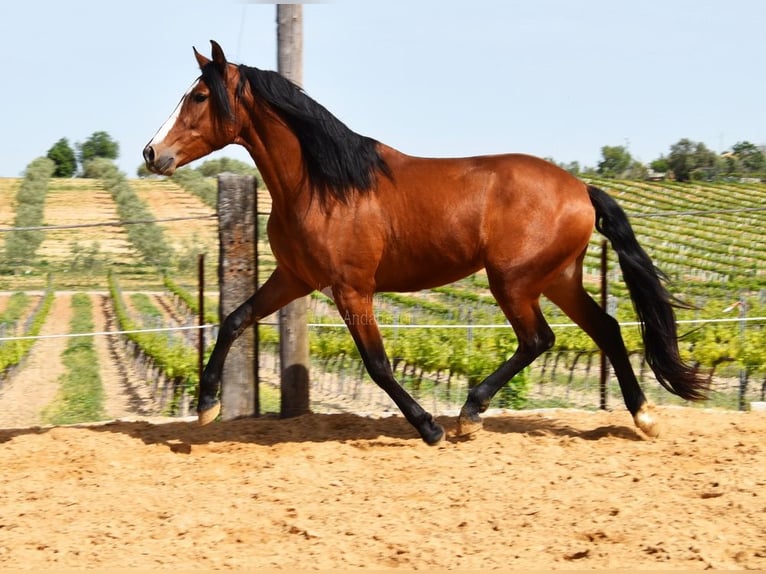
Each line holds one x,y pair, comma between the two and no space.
180,436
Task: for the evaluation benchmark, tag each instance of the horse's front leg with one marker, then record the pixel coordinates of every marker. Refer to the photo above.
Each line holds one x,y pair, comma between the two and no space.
278,290
357,313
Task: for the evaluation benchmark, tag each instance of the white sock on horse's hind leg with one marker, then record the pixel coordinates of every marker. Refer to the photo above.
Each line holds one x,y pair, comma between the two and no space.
208,416
646,421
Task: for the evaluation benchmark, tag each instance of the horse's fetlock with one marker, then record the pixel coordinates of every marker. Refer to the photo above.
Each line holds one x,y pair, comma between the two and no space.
546,341
477,401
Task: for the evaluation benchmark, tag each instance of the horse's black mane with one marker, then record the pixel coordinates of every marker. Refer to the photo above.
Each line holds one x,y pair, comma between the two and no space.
338,161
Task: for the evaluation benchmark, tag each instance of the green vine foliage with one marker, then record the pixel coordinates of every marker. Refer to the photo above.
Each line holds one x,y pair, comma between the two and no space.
21,245
451,351
14,309
191,301
176,360
12,352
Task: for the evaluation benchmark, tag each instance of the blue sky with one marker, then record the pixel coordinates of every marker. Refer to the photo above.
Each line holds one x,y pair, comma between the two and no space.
554,78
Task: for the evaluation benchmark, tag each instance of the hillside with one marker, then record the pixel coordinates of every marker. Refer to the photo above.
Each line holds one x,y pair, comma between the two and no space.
704,253
8,188
79,257
167,200
82,202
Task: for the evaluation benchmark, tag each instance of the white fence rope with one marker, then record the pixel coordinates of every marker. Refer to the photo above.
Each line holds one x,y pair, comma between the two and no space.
552,325
381,325
105,224
101,333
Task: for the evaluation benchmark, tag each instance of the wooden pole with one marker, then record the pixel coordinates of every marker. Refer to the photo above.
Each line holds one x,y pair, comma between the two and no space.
604,375
290,42
236,218
256,285
293,329
201,314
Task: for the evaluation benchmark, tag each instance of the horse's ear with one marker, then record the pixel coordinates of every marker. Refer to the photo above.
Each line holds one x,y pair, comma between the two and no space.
218,58
201,60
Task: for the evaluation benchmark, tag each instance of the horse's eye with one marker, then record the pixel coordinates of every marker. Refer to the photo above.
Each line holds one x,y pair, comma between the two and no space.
199,97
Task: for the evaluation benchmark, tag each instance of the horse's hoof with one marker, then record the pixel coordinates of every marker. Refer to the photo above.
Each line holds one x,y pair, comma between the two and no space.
468,424
645,420
433,435
208,416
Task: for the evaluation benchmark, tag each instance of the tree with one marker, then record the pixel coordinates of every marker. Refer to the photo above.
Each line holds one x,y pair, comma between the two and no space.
572,167
100,144
62,155
660,165
616,161
636,170
679,159
705,162
749,157
691,160
213,167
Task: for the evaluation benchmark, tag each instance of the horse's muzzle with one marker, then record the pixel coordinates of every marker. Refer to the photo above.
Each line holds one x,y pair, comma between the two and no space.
162,164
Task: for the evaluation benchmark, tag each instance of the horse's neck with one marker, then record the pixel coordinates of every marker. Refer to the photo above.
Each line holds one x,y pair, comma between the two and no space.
277,154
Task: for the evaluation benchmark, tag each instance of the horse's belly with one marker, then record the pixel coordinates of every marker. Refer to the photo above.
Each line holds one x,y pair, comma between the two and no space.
422,273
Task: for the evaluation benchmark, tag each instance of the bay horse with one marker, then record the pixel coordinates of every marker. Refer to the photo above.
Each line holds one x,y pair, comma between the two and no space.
352,216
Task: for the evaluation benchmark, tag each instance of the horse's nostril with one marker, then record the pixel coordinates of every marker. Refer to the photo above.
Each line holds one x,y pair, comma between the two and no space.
149,154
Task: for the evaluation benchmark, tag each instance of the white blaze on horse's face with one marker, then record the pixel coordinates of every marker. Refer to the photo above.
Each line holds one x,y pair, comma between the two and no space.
156,154
171,121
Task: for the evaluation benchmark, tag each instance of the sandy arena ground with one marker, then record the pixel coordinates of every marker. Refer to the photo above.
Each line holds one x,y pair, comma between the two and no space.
548,490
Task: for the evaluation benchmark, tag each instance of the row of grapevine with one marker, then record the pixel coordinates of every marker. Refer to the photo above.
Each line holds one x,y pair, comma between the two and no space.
450,356
21,245
147,238
12,352
190,301
205,188
175,363
15,307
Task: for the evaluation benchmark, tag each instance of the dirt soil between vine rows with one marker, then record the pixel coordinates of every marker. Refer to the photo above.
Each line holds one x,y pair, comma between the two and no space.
555,489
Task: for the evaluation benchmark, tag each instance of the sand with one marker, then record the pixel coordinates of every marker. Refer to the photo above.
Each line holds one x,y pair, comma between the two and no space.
558,489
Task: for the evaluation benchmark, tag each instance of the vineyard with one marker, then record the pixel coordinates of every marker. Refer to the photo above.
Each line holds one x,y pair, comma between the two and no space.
139,275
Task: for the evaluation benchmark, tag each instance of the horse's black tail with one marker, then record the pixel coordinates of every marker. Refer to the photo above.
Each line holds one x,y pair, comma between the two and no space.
652,301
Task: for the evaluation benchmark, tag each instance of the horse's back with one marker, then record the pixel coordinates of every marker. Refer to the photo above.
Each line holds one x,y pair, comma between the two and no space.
515,177
477,194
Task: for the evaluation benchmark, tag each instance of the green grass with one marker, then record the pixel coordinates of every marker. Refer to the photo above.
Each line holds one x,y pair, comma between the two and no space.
270,398
81,395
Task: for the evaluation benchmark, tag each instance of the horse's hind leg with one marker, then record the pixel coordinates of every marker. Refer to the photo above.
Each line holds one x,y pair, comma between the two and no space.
569,294
535,337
